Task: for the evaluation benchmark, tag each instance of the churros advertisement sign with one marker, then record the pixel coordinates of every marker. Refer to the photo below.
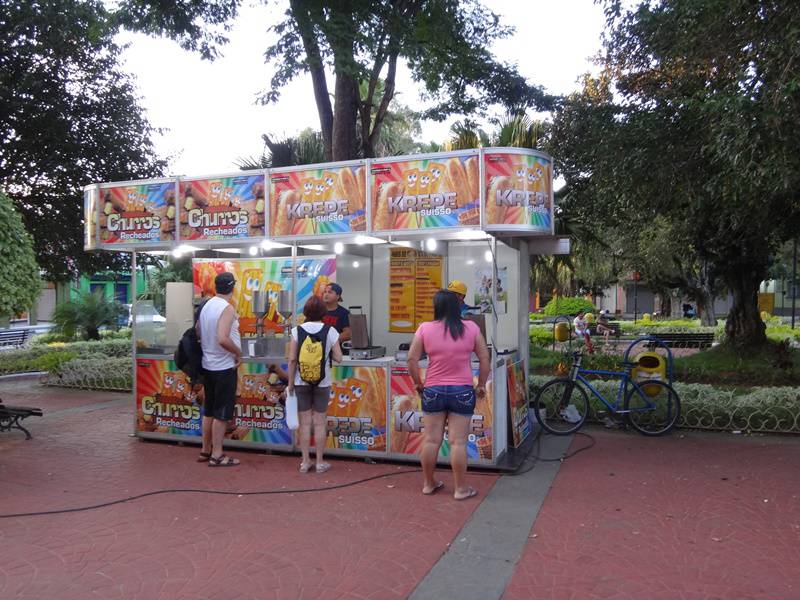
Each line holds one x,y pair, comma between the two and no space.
518,403
167,404
264,274
408,421
222,208
357,409
426,193
142,213
519,192
318,201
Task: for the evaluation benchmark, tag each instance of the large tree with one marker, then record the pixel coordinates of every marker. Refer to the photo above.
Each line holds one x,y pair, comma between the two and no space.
68,117
445,43
20,284
696,117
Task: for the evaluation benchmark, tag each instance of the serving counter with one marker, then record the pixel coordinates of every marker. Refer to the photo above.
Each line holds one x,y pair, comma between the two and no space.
374,409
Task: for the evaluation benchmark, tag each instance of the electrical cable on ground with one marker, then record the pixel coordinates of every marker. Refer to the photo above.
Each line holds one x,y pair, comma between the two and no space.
518,471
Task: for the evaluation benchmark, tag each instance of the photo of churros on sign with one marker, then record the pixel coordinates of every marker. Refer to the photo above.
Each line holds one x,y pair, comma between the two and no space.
314,201
519,191
221,208
426,193
137,213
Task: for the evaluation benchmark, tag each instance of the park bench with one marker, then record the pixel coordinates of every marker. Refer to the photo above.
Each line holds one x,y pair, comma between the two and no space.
612,325
10,417
13,338
686,340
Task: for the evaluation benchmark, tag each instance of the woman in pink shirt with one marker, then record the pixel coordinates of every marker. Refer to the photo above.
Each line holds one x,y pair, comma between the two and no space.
448,396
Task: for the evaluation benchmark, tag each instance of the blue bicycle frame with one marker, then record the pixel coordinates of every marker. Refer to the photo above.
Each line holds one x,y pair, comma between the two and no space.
625,378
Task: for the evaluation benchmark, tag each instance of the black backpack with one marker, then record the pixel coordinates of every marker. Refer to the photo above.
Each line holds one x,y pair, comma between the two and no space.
189,353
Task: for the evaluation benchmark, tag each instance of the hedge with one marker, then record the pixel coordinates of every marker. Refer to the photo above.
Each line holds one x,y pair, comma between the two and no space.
31,358
566,305
761,409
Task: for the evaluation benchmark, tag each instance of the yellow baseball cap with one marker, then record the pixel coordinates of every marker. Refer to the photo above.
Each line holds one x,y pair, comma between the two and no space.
459,287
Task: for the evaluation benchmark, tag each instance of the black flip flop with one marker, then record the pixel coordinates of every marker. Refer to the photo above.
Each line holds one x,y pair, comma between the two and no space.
223,461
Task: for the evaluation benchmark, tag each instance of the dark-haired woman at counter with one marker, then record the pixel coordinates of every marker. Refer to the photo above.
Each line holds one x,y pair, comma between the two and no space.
448,396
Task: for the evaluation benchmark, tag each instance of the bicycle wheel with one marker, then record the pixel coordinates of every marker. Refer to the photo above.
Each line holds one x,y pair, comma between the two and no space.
561,406
654,407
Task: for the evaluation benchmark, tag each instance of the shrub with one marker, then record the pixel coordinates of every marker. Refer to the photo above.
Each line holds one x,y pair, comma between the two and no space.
123,333
566,305
94,373
765,409
52,361
541,336
27,359
49,338
87,314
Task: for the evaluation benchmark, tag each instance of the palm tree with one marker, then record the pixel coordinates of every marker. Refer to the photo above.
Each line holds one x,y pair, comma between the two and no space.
87,314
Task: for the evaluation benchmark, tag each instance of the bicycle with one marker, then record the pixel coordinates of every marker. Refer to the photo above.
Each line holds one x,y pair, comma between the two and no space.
651,407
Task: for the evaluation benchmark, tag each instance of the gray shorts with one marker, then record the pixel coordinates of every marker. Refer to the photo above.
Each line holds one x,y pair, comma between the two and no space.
316,398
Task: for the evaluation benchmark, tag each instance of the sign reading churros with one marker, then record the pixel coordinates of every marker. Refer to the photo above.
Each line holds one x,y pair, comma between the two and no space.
518,403
426,193
165,402
141,213
318,201
222,208
519,192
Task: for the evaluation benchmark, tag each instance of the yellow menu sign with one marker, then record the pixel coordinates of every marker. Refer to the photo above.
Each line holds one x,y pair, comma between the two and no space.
414,278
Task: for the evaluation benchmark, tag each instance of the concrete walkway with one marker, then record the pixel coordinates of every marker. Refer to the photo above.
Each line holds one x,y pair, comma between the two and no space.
687,516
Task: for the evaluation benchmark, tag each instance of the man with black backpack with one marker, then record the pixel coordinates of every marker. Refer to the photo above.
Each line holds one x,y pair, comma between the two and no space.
218,330
312,347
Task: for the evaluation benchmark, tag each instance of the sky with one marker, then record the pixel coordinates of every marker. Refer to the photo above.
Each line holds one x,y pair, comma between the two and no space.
209,109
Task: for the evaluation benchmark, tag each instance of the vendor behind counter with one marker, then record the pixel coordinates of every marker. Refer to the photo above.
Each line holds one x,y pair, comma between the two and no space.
337,316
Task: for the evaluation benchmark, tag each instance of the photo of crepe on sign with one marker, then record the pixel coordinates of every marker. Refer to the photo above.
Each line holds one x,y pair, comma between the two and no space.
318,201
427,193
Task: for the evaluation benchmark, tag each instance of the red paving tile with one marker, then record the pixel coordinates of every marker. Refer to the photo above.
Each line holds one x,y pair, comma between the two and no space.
374,540
693,516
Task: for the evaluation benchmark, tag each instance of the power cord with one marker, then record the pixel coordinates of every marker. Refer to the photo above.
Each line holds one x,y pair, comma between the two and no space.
517,472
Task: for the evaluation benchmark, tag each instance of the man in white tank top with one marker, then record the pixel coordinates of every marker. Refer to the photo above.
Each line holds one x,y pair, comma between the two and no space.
218,330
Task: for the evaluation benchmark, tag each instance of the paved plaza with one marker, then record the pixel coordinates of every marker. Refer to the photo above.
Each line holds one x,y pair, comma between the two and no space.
690,516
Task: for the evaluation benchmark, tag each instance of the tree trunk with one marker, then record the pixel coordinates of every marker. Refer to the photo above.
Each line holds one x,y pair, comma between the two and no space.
744,326
317,70
345,115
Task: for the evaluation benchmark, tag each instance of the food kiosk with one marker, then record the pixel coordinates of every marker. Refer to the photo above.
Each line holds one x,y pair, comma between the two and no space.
391,232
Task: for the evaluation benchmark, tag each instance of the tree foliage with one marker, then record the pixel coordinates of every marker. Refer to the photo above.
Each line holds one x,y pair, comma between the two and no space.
695,117
445,43
20,284
68,117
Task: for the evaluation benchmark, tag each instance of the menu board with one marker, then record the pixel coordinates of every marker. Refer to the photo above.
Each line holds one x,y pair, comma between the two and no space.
519,192
414,278
357,409
222,208
426,193
139,213
427,282
408,420
331,199
264,274
167,404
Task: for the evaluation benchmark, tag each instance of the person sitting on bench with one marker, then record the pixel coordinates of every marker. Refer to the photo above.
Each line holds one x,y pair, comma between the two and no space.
582,330
603,325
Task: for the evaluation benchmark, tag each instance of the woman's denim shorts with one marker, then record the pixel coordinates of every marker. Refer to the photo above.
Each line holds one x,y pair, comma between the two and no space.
459,399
